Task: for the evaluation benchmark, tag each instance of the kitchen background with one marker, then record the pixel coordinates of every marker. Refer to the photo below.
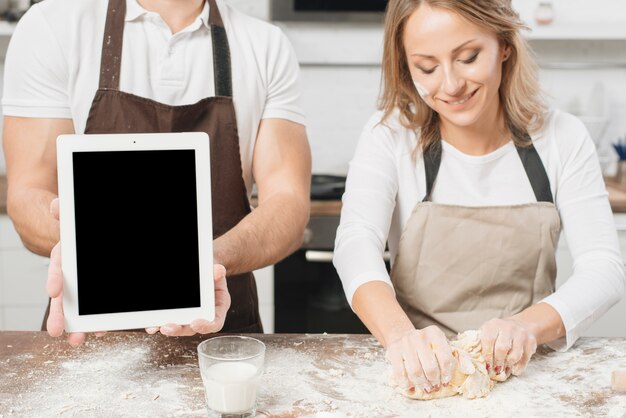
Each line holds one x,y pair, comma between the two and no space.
581,49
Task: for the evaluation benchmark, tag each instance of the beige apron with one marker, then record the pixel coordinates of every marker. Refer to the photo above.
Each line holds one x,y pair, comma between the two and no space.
457,267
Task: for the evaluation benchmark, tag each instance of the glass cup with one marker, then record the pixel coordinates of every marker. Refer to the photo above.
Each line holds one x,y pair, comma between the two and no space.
231,367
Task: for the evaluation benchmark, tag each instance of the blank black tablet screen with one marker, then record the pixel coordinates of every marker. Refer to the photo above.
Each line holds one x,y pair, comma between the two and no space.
136,230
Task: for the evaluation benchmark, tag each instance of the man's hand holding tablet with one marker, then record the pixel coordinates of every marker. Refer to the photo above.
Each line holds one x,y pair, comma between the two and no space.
136,231
56,319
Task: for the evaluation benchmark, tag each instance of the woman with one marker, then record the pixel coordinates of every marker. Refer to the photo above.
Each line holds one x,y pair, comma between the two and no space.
468,177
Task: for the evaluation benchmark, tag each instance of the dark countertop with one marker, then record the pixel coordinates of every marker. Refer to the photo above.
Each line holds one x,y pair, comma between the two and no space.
318,207
134,374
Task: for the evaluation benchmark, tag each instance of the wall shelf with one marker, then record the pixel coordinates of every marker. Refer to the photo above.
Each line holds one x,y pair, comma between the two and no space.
578,32
341,43
581,65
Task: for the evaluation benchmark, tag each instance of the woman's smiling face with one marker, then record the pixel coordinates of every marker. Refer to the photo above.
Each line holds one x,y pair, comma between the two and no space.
456,65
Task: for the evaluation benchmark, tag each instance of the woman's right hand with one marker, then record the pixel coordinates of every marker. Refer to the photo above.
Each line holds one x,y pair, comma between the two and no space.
422,359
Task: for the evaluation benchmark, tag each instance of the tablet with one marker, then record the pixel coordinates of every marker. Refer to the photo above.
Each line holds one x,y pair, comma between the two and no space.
136,230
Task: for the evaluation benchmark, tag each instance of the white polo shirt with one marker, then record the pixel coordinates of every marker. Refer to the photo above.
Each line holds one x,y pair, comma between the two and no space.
53,64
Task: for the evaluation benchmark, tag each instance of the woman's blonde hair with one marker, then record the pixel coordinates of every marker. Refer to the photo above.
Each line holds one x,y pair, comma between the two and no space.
520,95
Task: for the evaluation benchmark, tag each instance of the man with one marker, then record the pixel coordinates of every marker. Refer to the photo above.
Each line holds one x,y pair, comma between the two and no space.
120,66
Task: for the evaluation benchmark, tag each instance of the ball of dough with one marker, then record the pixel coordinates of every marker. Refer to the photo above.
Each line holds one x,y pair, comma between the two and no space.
470,379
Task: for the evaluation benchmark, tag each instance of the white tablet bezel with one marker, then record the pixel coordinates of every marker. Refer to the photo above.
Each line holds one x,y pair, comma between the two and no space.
66,146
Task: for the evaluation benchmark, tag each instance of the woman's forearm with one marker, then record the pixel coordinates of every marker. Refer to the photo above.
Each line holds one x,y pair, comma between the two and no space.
376,305
543,321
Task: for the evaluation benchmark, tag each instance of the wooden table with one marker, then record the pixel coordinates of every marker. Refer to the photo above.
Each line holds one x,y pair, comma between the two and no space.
137,375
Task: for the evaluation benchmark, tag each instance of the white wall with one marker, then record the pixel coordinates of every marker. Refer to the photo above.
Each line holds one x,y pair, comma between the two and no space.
587,91
338,99
341,73
256,8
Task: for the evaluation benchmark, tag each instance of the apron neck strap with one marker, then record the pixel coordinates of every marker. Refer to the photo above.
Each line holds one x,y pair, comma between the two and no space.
111,59
535,171
432,161
222,70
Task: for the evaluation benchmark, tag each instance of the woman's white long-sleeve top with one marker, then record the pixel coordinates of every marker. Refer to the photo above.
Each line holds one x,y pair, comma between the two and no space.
385,183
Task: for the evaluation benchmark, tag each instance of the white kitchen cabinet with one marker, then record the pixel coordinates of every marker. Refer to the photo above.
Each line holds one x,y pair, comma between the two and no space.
24,274
265,288
23,317
23,295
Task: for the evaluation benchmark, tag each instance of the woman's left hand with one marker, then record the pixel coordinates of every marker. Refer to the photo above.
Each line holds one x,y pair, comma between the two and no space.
507,345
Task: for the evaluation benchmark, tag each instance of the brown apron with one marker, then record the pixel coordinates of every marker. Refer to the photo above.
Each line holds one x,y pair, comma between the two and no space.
114,111
457,266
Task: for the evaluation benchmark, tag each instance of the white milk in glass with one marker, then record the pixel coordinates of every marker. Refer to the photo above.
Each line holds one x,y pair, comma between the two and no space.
231,387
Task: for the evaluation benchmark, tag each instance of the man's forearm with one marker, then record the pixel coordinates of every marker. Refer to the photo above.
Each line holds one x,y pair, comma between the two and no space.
29,209
267,235
30,150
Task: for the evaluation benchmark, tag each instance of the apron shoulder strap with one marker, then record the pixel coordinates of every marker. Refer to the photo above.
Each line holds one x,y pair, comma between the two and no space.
111,59
531,161
535,171
221,53
432,161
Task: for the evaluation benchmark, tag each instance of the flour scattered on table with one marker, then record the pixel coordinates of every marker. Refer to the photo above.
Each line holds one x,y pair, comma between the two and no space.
324,378
329,383
121,372
128,395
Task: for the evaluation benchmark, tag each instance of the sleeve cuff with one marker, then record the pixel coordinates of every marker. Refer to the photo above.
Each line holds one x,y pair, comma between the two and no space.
572,333
291,115
371,276
31,110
